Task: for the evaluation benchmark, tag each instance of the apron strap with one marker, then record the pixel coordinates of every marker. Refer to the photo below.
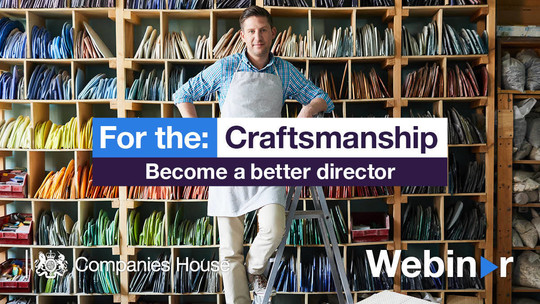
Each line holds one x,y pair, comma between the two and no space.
273,65
275,70
238,66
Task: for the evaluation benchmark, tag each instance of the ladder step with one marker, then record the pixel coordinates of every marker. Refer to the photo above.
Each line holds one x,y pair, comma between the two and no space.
303,214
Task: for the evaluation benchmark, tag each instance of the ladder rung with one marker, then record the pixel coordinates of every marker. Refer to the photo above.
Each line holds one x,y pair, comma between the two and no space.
303,214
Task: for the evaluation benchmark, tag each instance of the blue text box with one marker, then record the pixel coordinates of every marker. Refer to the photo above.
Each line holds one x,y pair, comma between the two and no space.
154,137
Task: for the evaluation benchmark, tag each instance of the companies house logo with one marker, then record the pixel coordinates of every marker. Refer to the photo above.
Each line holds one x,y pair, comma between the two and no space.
51,266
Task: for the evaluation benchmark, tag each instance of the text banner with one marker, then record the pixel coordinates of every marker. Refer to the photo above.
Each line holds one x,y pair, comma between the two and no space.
271,171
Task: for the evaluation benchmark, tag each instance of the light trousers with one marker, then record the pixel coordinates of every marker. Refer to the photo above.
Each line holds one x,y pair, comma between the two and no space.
271,219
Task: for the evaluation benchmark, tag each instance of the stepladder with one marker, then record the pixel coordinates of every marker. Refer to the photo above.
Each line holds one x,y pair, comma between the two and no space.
321,213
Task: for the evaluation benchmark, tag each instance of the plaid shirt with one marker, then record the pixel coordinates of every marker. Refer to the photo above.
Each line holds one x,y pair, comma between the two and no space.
218,77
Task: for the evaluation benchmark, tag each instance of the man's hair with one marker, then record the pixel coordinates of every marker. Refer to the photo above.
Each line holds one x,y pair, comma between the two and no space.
255,10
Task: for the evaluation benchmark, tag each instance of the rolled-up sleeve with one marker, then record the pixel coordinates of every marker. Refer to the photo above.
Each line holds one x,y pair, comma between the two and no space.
207,81
305,91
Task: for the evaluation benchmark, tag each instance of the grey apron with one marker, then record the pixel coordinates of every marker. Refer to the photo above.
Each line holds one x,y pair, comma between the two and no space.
250,94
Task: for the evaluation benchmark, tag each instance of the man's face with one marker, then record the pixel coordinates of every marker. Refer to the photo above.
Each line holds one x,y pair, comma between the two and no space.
257,34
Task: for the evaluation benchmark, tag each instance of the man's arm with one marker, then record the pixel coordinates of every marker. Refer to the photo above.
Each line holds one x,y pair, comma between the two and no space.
187,109
313,98
315,106
207,81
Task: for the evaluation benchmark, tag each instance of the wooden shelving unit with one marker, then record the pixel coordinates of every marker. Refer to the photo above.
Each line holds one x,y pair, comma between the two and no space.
505,164
128,25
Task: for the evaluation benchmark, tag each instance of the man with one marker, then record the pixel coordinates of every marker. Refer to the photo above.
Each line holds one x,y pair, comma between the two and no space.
253,83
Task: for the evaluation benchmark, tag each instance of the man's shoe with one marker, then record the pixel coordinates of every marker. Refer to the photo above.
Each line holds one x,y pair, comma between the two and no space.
258,283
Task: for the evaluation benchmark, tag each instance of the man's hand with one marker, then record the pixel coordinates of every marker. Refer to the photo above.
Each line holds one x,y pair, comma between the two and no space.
187,109
317,105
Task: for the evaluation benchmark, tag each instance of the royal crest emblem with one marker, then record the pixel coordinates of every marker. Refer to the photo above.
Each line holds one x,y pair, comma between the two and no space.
50,266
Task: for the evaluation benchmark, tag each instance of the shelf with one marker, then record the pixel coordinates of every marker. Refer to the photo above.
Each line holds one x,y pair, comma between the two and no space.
45,150
49,61
514,92
519,42
385,100
524,289
530,205
9,200
134,14
361,244
134,200
475,102
89,61
526,248
86,10
442,242
520,95
452,10
374,59
421,58
504,144
57,246
228,10
127,36
62,101
433,99
342,245
159,102
279,11
424,195
527,162
71,294
155,102
173,293
331,12
282,11
134,63
445,194
466,145
41,294
302,199
188,14
445,290
97,294
13,12
12,61
58,200
173,246
353,198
